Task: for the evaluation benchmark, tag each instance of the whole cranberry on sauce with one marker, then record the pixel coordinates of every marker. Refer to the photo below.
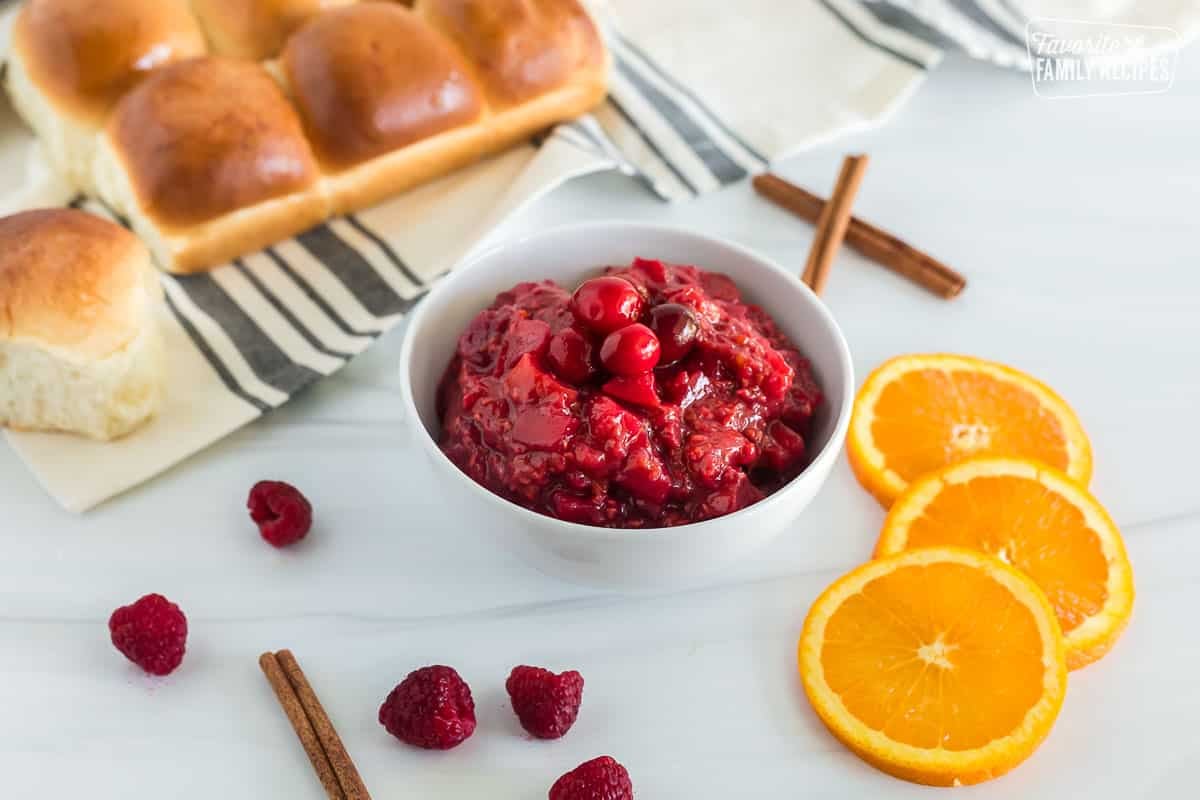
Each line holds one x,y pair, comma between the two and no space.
571,356
631,351
607,303
677,329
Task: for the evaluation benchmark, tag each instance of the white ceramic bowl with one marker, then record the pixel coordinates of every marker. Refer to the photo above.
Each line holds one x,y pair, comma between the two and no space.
631,558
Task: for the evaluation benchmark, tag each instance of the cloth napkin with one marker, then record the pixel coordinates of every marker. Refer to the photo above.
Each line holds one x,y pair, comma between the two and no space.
704,93
994,30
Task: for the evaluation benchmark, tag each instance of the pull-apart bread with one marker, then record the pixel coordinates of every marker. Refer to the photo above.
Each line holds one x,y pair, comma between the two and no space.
79,347
207,160
255,29
214,156
386,101
71,60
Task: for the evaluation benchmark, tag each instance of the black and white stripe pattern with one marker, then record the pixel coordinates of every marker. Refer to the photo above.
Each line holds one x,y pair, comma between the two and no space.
897,43
274,322
993,30
677,143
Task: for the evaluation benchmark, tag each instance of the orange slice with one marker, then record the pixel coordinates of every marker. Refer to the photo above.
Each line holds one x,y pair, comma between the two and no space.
918,413
939,665
1036,519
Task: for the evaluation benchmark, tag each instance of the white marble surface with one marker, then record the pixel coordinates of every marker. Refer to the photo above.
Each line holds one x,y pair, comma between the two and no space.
1076,222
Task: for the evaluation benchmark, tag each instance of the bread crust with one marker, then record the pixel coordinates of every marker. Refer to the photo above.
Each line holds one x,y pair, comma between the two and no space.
362,184
206,137
84,58
80,350
71,282
209,158
255,29
371,78
394,172
520,49
195,248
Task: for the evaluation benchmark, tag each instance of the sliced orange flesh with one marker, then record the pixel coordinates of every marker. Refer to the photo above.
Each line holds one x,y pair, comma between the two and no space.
939,665
1036,519
918,413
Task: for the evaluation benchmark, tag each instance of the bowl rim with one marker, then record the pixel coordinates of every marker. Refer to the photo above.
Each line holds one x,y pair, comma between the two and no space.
447,284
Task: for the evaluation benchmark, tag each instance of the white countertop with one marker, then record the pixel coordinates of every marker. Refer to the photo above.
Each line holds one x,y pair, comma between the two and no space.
1076,224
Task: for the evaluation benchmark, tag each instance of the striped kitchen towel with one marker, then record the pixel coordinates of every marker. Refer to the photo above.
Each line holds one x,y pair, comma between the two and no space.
245,337
704,92
994,30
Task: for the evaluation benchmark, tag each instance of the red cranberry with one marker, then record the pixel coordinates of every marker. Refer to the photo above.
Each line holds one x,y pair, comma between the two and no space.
720,287
569,508
630,351
677,328
654,269
607,303
526,336
571,356
639,391
782,448
645,476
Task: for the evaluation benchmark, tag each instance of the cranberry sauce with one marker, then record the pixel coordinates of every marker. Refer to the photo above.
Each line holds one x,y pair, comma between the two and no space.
652,396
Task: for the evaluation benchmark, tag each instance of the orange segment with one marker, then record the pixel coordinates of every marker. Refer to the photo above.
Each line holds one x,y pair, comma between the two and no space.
1038,520
939,665
918,413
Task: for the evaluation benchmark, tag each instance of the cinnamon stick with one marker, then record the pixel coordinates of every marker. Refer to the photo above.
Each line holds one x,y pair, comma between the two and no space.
292,706
832,224
876,244
348,778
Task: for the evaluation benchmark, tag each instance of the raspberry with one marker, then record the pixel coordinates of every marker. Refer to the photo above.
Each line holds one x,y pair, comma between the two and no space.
431,708
599,779
151,633
282,513
547,704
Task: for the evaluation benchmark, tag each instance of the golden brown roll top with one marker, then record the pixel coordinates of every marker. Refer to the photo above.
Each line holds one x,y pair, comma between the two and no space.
372,78
205,137
255,29
84,55
520,48
207,156
69,282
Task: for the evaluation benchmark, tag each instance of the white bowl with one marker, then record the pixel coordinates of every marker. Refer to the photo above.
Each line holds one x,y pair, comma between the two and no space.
644,558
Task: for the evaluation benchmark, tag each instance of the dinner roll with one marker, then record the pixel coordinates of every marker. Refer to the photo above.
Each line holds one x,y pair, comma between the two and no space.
371,79
255,29
212,156
521,48
207,160
390,101
79,346
70,60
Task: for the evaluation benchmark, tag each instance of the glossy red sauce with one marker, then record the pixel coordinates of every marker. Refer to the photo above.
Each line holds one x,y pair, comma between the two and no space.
713,432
